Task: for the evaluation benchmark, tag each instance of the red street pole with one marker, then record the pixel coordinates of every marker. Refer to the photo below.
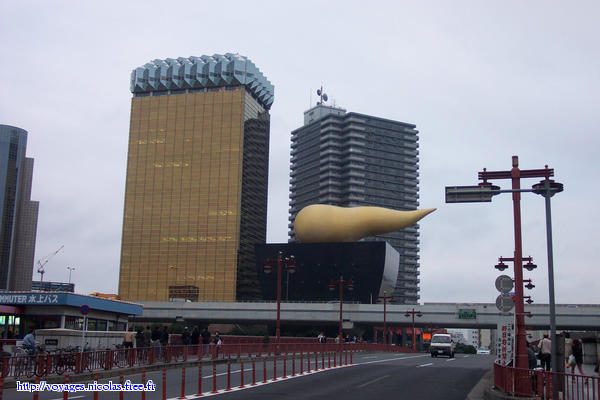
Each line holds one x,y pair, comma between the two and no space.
340,333
414,336
277,329
521,343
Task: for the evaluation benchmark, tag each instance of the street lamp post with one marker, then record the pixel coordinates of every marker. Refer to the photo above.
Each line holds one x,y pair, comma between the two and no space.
414,337
290,265
385,298
484,193
350,286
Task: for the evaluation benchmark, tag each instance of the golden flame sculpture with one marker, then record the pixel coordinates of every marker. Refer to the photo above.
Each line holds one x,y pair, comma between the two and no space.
324,223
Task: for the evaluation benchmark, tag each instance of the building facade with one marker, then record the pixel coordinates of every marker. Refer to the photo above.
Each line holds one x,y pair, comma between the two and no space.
18,220
371,266
197,171
350,159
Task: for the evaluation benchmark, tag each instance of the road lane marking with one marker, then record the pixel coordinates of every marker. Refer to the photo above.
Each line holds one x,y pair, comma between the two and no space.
451,359
71,397
370,357
424,365
388,359
373,381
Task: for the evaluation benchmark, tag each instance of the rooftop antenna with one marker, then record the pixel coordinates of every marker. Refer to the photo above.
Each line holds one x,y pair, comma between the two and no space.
322,95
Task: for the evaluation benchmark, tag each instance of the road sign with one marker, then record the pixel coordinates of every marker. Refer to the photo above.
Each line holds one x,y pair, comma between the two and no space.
504,283
84,310
504,302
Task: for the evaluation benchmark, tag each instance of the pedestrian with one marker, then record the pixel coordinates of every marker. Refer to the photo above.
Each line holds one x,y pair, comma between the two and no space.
205,339
147,336
128,339
546,352
185,336
320,338
568,348
577,349
139,338
29,342
205,336
164,336
531,357
195,337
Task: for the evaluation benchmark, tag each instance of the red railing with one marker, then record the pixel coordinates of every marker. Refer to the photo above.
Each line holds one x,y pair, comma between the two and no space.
68,363
539,383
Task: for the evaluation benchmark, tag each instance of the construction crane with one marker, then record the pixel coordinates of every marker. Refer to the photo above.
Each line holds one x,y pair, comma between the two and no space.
41,263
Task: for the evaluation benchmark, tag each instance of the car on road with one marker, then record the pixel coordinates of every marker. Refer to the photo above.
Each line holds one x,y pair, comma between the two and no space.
442,344
483,350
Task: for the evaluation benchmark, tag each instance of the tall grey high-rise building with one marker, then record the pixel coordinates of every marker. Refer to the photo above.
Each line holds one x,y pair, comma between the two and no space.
350,159
18,220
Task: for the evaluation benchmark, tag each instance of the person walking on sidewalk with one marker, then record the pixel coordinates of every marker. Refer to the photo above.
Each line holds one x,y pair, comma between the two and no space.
546,352
578,354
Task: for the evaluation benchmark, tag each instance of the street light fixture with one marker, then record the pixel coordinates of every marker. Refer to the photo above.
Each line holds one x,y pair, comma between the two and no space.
71,269
385,298
414,336
547,188
290,265
349,284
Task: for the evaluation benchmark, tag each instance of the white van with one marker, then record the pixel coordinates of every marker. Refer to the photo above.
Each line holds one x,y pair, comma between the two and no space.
442,344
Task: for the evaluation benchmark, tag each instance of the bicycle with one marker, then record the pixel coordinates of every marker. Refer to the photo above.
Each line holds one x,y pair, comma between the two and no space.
65,359
26,362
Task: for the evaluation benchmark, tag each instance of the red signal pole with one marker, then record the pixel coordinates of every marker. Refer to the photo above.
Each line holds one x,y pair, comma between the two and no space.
290,265
350,285
414,336
515,175
385,299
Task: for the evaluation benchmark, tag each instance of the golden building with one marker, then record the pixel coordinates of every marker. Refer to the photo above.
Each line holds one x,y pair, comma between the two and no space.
196,190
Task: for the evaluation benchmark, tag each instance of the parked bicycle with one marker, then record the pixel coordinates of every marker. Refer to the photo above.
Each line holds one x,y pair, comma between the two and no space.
27,362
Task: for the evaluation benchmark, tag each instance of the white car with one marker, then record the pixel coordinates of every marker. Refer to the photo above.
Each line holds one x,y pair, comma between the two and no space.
483,350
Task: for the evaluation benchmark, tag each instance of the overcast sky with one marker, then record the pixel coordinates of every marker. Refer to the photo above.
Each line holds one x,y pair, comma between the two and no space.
482,81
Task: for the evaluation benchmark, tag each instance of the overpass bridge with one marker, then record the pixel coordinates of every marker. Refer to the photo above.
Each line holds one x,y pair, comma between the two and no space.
443,315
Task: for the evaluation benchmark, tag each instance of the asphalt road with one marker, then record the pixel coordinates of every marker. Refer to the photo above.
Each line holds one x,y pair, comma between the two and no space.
410,376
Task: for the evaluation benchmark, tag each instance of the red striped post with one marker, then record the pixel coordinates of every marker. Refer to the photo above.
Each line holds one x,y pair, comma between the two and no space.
215,379
253,373
143,383
199,381
164,384
121,381
351,357
301,364
66,393
264,370
328,359
322,360
242,373
96,391
228,389
308,362
284,367
346,357
294,365
334,359
316,361
36,394
275,368
341,359
182,395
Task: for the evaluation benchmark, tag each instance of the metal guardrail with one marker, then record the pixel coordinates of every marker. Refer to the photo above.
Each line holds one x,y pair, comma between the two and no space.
539,384
47,364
